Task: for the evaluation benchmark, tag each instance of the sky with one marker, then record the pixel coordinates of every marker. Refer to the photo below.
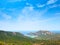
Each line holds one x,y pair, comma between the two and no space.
29,15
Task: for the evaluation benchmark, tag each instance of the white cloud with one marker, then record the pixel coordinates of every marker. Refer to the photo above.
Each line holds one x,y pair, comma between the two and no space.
40,5
15,0
51,2
57,14
24,26
55,5
7,17
31,8
30,25
32,15
29,20
28,4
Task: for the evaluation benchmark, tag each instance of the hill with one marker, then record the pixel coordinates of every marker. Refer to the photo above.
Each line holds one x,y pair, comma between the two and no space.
16,38
45,35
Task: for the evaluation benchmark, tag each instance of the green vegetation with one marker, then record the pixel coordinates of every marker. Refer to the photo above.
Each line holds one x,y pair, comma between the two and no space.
15,38
45,35
41,42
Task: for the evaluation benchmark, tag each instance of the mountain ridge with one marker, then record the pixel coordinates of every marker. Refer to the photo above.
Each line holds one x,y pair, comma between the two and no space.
45,35
16,38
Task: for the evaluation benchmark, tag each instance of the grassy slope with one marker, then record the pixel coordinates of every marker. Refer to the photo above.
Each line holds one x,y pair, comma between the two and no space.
15,38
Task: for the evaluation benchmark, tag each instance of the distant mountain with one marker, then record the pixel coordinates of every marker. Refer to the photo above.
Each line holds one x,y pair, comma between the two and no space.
45,35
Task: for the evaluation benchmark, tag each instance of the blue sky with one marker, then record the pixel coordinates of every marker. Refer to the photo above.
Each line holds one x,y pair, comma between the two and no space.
29,15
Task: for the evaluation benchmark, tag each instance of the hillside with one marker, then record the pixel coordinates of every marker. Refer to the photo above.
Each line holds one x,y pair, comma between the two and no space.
16,38
45,35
